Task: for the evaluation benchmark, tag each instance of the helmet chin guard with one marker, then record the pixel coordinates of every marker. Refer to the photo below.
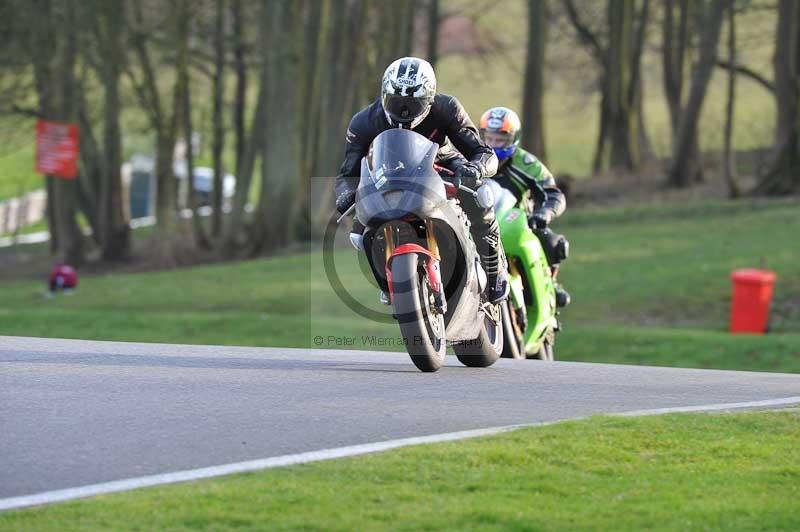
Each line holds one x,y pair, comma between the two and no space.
504,153
407,125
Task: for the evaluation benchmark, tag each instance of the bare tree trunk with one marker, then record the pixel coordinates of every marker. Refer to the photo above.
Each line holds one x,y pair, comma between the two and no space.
165,190
182,31
406,37
252,145
533,89
353,58
218,142
433,32
70,234
50,214
325,149
636,87
603,140
164,124
91,173
681,171
392,23
674,58
312,74
646,151
618,143
784,175
115,235
240,67
345,56
282,151
624,151
728,163
54,65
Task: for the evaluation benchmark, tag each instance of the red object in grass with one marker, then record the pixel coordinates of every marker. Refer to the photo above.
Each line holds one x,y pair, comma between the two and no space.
63,276
752,295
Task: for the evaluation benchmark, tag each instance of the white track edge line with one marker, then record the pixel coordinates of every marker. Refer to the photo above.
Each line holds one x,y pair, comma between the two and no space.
712,408
91,490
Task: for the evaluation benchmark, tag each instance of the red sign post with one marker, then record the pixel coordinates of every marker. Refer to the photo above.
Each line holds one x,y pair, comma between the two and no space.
57,149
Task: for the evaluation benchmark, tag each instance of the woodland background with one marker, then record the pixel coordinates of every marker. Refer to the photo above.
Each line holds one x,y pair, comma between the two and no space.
621,99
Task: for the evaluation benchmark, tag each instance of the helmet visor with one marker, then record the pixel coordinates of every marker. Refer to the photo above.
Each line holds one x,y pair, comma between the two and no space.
497,139
404,109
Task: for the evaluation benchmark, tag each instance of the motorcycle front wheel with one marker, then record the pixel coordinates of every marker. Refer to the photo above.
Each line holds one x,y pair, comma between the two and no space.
422,329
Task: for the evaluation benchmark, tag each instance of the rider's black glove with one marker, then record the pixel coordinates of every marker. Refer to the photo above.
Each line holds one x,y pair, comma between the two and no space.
345,200
468,174
541,218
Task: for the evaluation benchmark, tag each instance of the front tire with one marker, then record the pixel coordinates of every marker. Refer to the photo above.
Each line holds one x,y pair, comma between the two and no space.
423,330
484,350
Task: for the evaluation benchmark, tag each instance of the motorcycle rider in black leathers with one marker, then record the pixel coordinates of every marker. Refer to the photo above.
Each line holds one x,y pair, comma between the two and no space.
409,100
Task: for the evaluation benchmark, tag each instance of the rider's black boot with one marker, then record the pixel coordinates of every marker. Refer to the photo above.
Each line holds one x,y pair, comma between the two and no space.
494,264
486,235
497,286
562,297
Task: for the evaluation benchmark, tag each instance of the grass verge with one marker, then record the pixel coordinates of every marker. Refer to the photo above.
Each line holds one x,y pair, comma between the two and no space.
676,472
650,285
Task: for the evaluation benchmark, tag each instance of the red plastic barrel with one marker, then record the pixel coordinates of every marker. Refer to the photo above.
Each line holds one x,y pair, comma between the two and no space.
752,294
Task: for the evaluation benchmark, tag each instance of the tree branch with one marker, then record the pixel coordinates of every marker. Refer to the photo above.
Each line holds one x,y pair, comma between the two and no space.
141,94
749,73
26,111
585,35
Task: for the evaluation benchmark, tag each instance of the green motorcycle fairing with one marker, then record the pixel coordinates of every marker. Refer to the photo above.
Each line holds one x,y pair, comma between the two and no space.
527,265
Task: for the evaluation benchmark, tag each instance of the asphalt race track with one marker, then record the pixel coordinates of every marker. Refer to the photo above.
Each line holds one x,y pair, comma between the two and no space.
74,413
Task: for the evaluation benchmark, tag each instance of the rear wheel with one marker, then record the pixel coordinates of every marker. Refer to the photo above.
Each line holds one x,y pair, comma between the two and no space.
421,326
484,350
547,350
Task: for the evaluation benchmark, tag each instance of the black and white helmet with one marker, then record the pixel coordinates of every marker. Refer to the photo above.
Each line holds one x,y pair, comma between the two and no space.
407,91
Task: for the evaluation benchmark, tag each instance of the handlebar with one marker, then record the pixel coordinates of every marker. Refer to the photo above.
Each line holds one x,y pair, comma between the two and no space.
441,170
467,189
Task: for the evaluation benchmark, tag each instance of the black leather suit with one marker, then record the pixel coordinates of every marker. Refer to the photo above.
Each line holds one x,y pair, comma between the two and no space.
448,125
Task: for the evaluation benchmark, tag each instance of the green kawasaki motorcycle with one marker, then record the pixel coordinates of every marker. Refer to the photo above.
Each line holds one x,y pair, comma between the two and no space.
529,314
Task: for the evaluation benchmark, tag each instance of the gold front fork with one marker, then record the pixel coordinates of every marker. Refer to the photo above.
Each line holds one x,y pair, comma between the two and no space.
388,237
433,246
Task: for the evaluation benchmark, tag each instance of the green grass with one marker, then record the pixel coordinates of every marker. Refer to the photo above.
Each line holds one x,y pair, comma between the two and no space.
677,472
670,264
259,302
17,156
650,285
681,347
41,225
